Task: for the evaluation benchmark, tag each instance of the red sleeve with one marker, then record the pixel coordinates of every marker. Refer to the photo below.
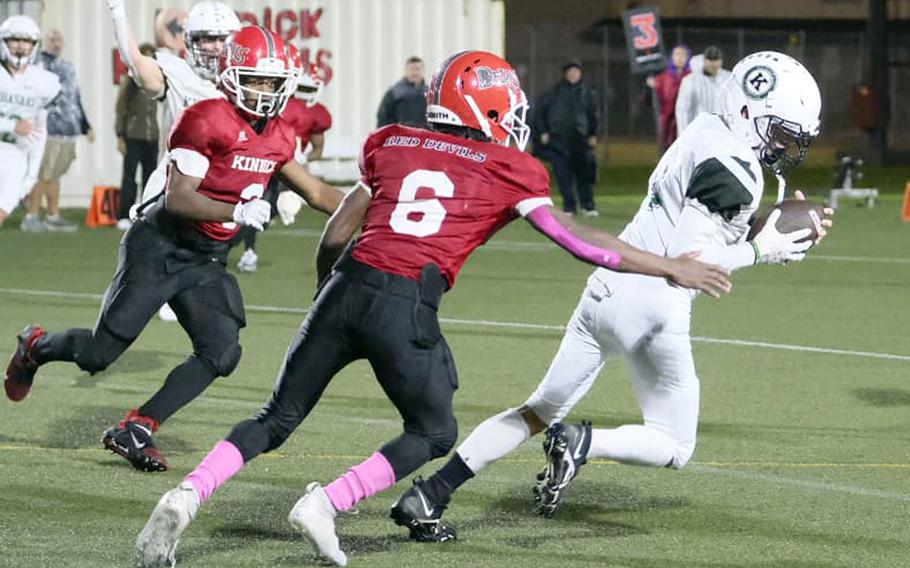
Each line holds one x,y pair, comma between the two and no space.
322,118
196,131
529,181
290,143
367,151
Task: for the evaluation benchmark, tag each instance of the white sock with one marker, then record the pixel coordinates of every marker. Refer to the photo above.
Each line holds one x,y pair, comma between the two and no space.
493,439
633,444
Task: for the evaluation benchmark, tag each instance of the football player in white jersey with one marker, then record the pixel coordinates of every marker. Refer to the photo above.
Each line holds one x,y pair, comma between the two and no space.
701,197
25,91
179,82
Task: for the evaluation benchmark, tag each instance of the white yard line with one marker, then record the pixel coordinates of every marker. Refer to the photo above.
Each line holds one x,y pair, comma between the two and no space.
516,325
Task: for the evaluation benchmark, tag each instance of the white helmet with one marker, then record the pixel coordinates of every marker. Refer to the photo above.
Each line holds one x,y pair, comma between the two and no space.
19,27
773,103
207,20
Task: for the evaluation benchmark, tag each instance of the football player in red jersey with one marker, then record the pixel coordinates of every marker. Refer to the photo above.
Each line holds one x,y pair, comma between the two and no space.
222,154
309,121
426,200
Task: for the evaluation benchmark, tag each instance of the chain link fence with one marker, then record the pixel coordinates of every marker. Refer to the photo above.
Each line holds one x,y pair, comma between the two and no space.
835,57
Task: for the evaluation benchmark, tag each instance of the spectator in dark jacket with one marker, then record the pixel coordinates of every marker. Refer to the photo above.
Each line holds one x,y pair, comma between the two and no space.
137,139
66,122
567,119
406,101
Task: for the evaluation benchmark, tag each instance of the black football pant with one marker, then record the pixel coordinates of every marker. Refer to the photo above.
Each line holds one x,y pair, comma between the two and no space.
153,269
575,168
390,320
138,152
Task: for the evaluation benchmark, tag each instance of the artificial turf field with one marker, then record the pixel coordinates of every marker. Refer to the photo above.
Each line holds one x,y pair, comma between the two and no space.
803,455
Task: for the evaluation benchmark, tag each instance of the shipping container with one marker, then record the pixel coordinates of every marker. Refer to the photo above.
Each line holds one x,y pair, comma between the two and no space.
361,45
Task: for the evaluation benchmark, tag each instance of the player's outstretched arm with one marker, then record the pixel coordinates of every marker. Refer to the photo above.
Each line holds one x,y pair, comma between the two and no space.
603,249
340,229
144,70
317,193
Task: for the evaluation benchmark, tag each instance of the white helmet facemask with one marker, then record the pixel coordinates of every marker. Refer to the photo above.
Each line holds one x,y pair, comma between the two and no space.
772,103
309,88
208,22
23,28
252,100
515,121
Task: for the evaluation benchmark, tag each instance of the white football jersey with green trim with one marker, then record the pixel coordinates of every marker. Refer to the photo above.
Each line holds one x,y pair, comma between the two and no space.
709,168
24,95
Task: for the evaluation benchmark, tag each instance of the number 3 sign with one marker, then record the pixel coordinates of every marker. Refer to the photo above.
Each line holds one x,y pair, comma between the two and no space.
643,40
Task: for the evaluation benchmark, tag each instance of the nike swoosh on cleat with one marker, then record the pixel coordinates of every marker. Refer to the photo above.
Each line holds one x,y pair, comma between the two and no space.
577,453
428,511
136,442
147,431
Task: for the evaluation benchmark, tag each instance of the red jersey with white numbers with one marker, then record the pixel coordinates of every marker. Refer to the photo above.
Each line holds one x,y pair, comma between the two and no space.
437,197
211,140
306,120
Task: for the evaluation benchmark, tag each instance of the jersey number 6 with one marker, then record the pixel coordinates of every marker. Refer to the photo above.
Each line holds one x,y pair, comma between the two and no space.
421,217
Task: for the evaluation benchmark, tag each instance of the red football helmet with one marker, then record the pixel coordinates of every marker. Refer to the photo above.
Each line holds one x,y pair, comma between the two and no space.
309,84
294,58
255,53
479,90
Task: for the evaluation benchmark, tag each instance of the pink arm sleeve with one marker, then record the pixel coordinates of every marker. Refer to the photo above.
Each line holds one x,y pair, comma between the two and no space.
544,221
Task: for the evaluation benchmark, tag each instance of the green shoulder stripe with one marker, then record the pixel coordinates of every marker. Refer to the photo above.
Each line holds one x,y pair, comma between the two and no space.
718,189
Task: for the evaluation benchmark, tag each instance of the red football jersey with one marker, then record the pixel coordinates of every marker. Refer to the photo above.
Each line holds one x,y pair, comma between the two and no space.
306,120
212,141
437,197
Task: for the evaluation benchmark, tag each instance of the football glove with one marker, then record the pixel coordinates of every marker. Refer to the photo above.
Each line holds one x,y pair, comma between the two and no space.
255,213
773,247
289,204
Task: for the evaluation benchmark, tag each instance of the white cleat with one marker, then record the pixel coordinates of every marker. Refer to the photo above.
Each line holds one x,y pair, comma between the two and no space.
314,517
249,262
156,545
166,313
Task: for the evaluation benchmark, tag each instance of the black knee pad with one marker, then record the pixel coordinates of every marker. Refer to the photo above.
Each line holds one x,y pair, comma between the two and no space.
225,362
441,443
94,353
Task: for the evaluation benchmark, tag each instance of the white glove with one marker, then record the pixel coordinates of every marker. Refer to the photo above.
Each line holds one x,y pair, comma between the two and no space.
255,213
289,204
774,247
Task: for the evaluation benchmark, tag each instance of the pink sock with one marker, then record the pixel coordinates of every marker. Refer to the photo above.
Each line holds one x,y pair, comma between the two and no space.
361,481
220,465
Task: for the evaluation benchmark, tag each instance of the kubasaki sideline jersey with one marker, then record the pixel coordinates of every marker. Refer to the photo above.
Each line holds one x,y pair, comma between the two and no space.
437,197
306,120
24,95
213,142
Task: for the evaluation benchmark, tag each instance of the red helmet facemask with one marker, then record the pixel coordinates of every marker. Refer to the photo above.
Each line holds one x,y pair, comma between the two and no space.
251,54
479,90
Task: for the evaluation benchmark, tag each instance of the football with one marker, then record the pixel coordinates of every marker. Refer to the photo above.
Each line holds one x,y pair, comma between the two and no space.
794,215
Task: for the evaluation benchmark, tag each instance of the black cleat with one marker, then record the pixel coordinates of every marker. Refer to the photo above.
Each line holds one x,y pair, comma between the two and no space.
566,447
132,439
21,369
422,517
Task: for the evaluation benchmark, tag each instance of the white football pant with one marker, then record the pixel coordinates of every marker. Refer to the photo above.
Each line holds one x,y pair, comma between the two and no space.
12,176
646,320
